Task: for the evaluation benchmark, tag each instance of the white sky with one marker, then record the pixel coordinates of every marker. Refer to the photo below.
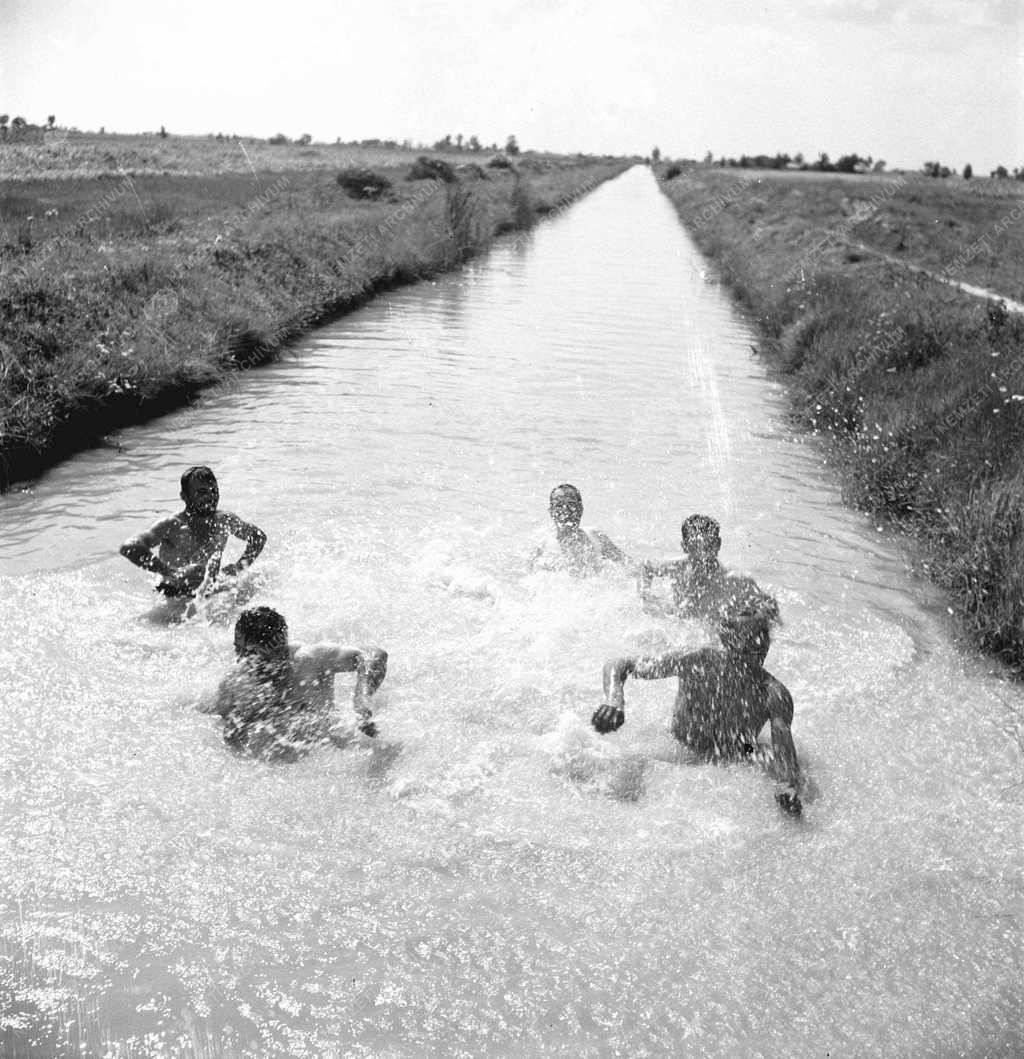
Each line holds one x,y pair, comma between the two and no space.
905,80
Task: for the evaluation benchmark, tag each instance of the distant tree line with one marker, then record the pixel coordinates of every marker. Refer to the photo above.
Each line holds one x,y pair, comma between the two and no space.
847,163
1001,173
460,143
19,127
448,142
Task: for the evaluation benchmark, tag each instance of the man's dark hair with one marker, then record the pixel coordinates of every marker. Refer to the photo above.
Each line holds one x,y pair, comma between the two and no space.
745,630
566,488
263,626
193,472
700,526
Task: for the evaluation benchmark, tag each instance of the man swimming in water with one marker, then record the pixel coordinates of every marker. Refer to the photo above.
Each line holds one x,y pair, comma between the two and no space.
701,588
278,701
725,698
190,544
580,552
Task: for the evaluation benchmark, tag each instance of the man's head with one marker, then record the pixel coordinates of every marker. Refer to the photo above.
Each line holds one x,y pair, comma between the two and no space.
261,632
701,539
199,490
746,633
566,506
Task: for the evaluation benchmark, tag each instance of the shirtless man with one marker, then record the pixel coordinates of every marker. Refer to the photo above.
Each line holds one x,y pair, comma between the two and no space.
725,698
701,588
580,552
190,544
277,703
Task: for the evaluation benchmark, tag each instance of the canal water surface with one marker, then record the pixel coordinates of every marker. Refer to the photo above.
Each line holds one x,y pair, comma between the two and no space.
490,877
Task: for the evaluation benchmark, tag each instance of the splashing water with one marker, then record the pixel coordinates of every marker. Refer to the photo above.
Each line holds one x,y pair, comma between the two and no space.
491,876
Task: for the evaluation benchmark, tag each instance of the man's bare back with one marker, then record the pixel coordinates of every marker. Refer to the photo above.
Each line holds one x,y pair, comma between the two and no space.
725,698
722,705
278,701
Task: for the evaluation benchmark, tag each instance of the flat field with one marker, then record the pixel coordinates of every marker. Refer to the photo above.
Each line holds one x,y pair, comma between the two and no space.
967,230
72,155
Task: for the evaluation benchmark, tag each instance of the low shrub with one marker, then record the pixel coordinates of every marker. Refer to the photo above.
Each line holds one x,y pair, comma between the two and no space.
425,168
360,183
471,169
500,161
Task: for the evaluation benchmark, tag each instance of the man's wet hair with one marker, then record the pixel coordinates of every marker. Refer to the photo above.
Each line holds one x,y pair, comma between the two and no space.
261,626
746,629
196,472
700,526
565,488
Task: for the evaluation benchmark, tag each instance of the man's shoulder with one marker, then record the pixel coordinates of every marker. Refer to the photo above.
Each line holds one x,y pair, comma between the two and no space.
304,652
780,701
701,659
739,581
170,524
314,657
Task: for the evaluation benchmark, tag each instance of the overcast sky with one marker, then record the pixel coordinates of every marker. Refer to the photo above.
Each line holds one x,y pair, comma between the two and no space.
905,80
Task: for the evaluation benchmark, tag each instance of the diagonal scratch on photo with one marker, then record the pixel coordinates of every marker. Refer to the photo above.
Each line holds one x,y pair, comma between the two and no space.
511,530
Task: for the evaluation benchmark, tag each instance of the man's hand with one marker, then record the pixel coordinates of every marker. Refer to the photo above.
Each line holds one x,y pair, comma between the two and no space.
608,718
789,801
186,579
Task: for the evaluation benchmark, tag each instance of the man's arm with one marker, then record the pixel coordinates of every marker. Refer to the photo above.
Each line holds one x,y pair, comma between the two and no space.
608,548
787,768
139,549
370,665
254,539
611,714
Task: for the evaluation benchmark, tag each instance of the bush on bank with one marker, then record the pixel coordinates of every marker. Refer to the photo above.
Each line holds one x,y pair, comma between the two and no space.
918,388
134,295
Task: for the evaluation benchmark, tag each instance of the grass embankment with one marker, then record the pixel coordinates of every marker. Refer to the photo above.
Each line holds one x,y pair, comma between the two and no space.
122,296
918,387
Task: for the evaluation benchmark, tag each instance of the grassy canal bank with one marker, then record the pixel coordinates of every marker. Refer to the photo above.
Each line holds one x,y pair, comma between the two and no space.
918,387
136,271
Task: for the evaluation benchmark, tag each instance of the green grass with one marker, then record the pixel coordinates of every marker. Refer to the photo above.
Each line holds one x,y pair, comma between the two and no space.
918,388
122,297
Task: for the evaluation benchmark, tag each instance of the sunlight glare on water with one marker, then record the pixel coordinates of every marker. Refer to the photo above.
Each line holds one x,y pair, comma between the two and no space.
491,876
